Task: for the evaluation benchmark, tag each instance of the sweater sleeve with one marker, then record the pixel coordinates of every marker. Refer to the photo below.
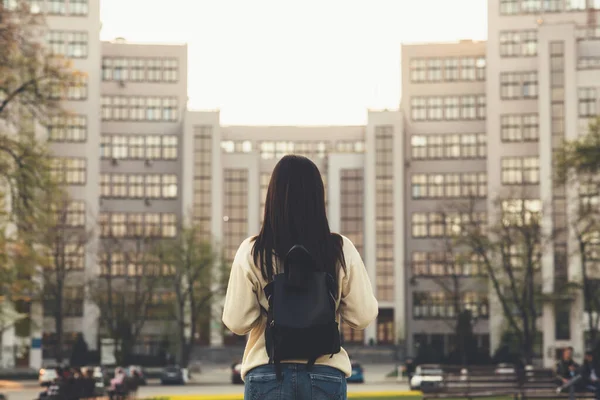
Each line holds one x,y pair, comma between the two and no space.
241,310
358,305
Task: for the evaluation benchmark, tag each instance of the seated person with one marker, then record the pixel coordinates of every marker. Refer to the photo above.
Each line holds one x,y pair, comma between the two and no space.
591,374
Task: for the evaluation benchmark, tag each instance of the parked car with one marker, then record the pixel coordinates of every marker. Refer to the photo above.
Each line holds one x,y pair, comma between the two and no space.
426,377
173,375
136,368
357,374
236,373
47,376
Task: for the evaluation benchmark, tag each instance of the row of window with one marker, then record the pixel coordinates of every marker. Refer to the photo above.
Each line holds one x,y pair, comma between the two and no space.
69,170
518,85
588,63
137,186
426,264
519,127
448,108
520,170
520,211
441,305
135,225
53,7
140,69
451,69
139,147
131,264
435,186
436,224
72,302
448,146
72,44
76,90
276,150
139,108
518,43
513,7
73,215
246,146
68,128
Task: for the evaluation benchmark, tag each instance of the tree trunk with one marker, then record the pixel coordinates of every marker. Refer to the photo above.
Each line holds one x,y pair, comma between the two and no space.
58,320
182,340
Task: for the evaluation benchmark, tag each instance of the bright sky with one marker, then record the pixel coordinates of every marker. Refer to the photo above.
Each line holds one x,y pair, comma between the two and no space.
293,62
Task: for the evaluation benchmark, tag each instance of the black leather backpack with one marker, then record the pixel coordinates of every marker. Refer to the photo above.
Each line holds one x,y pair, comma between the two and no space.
301,321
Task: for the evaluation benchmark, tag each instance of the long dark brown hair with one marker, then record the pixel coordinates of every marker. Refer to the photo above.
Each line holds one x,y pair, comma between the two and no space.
295,214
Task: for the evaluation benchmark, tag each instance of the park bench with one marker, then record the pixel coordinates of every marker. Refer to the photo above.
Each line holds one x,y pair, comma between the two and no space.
474,383
539,383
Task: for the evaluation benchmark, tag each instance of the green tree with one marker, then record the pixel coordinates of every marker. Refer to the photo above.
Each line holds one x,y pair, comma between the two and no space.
578,167
197,277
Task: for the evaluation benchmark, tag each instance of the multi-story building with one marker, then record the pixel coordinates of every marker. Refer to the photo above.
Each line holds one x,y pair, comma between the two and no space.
143,104
444,163
231,167
543,79
73,31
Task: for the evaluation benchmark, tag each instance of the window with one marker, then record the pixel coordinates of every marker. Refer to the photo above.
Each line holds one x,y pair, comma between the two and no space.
77,44
434,71
518,43
136,186
509,7
552,5
154,69
152,225
518,85
75,214
169,225
451,69
451,106
137,71
435,184
119,185
107,68
418,108
481,106
434,109
35,6
78,7
468,108
153,108
56,42
467,69
418,146
120,70
56,7
518,170
435,147
170,71
153,147
516,211
169,186
136,148
170,109
153,186
519,127
575,5
107,111
70,171
480,65
119,147
169,147
419,225
587,102
105,185
418,70
452,185
419,186
437,224
68,128
78,89
452,144
531,6
118,225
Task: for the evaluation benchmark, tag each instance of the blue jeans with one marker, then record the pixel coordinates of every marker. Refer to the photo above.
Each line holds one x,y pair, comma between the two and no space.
317,383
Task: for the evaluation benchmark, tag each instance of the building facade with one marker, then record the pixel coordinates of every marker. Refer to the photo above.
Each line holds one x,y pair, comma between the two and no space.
444,108
542,88
476,120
